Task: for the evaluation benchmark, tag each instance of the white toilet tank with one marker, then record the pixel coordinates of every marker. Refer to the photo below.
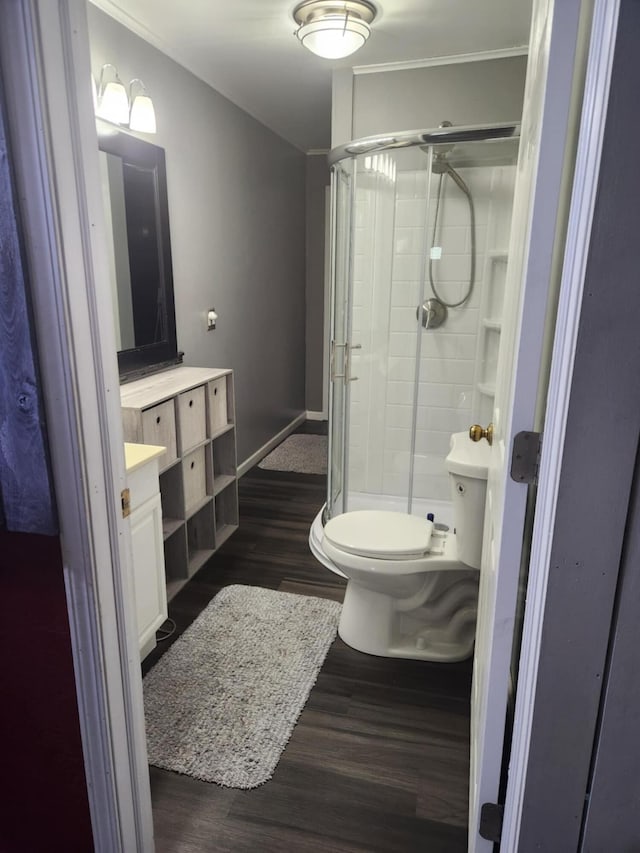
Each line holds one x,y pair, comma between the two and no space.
468,464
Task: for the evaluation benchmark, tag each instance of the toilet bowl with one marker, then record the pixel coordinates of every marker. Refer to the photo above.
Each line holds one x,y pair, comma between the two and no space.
412,587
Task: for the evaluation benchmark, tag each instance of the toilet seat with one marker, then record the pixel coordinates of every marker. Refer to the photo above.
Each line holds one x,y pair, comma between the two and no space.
380,535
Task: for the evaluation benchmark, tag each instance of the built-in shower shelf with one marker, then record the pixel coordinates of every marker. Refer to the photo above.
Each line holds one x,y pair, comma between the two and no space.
487,388
493,325
498,254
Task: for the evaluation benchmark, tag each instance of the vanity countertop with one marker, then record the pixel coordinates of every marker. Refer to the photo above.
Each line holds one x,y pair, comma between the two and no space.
153,389
136,455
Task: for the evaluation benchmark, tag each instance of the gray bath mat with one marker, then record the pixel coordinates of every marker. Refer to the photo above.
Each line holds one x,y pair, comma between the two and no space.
303,454
221,703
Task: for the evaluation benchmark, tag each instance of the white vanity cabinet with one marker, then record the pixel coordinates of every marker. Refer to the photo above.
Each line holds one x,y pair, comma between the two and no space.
146,539
189,410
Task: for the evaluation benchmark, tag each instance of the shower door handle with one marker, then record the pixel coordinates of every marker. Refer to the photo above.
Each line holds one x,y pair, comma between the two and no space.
347,349
332,372
347,361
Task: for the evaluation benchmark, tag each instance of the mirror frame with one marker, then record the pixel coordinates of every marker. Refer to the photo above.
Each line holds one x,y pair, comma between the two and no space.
138,361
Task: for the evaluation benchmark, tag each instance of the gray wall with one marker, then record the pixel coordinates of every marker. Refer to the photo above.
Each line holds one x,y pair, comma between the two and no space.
465,93
237,214
317,181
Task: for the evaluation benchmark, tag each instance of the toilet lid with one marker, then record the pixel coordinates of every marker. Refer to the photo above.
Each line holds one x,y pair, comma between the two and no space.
373,533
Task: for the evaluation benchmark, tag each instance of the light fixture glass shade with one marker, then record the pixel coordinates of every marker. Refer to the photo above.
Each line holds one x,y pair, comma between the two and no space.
334,36
334,28
113,104
142,116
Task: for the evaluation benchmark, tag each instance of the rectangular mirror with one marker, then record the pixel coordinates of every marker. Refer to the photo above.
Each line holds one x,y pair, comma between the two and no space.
134,186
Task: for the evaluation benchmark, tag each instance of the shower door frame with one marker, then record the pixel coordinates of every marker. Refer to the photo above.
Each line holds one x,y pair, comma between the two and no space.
339,344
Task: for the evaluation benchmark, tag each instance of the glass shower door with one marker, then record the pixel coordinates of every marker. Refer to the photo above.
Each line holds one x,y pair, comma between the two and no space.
376,268
341,263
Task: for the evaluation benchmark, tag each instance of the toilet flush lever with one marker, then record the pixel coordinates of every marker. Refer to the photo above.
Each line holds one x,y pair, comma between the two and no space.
476,433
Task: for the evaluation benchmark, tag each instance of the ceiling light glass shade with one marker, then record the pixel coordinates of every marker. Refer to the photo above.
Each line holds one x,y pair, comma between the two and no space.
143,116
113,103
334,37
334,29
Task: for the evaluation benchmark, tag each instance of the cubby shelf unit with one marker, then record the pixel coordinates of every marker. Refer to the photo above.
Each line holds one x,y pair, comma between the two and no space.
191,412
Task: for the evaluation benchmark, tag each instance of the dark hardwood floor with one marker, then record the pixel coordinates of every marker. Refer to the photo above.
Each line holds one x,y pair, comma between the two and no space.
379,759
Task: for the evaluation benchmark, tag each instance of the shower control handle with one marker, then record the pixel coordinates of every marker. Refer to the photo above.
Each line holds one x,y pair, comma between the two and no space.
431,313
477,433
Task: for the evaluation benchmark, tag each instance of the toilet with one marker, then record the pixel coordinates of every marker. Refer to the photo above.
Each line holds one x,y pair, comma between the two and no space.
412,587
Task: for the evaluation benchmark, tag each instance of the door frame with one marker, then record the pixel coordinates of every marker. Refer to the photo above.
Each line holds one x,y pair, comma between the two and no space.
587,169
44,60
52,119
541,203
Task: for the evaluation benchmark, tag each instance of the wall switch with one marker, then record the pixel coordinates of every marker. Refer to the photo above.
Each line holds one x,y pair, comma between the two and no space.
212,319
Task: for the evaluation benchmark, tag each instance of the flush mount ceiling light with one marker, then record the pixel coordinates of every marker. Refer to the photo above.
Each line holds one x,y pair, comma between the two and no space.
334,28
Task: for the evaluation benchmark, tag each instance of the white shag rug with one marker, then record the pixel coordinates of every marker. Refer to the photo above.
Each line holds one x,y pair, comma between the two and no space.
300,453
222,702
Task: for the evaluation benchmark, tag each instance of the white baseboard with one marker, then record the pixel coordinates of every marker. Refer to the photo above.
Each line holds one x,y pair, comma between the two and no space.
273,442
317,416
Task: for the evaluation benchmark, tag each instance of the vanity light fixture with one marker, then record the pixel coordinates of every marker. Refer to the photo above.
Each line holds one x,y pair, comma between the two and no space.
113,103
142,116
334,28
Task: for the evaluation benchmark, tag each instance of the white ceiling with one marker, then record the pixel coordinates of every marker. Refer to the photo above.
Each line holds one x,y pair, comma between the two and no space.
247,51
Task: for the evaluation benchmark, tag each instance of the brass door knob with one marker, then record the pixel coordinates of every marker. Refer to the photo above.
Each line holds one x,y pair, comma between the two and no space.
476,432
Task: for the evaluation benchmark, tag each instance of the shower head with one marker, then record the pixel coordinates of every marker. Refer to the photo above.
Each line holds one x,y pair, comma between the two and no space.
439,164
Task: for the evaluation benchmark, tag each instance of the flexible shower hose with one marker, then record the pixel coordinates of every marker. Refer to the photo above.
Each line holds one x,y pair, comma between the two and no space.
472,217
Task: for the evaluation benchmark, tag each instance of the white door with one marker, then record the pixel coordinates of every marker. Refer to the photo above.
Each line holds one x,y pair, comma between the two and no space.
539,192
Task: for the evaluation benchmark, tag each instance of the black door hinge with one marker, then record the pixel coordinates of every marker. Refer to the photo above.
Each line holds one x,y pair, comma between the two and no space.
491,816
525,457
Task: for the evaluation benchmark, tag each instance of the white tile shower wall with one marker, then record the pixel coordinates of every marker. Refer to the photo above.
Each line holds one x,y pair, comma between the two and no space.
447,359
371,313
381,407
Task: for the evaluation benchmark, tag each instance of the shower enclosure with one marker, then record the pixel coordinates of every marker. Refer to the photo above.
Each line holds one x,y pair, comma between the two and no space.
420,229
